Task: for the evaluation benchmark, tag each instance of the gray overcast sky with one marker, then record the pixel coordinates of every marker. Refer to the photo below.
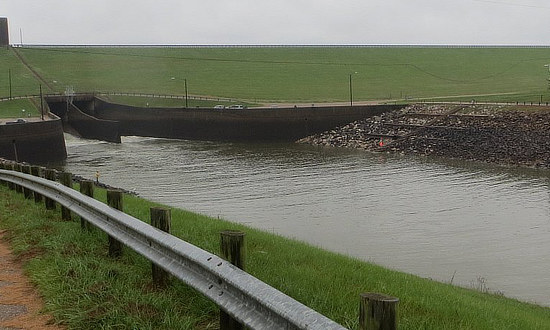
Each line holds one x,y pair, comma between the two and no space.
509,22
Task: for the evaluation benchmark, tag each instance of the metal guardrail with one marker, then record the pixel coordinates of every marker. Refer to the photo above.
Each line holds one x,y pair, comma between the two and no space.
224,99
99,93
168,96
244,297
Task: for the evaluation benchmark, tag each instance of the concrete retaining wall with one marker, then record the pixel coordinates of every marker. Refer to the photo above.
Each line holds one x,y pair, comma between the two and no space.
78,118
282,124
35,142
92,128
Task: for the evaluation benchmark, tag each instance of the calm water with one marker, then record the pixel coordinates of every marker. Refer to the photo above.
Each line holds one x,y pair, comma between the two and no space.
480,225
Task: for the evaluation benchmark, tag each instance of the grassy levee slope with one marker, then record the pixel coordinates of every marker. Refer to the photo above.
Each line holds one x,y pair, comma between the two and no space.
84,289
23,81
300,74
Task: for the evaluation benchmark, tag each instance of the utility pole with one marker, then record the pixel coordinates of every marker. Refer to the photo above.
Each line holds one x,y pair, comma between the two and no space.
9,77
41,103
186,95
351,90
548,79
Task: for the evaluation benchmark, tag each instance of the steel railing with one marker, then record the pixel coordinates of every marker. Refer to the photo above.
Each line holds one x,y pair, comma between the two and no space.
134,94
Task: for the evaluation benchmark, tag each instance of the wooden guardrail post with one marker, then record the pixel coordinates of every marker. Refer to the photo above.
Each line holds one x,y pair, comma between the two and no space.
377,312
19,168
233,249
86,188
50,175
161,218
26,191
66,179
11,185
114,200
37,171
4,166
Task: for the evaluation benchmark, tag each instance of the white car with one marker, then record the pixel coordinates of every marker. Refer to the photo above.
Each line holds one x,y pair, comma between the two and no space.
18,121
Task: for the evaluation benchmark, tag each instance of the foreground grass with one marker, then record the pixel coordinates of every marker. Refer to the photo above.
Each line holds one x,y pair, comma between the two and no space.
83,288
305,74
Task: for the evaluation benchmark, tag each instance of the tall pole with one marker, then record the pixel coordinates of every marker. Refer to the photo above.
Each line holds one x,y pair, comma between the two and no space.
41,103
9,75
186,95
350,92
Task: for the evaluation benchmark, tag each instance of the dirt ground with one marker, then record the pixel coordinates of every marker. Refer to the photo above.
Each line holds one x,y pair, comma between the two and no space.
20,303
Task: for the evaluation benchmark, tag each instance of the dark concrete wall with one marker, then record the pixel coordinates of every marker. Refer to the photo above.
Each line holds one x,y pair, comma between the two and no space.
58,108
283,124
36,142
78,119
4,33
92,128
86,106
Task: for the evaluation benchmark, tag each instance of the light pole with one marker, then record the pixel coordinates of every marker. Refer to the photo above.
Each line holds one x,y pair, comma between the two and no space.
548,79
9,77
41,103
186,95
185,90
351,90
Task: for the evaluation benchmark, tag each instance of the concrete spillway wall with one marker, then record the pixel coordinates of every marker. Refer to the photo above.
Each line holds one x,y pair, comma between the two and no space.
78,118
43,141
33,142
283,124
94,118
90,127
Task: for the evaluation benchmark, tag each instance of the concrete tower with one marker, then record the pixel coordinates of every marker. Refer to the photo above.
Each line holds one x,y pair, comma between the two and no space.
4,35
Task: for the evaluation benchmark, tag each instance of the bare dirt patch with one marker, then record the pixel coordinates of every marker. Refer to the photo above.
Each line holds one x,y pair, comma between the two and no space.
20,303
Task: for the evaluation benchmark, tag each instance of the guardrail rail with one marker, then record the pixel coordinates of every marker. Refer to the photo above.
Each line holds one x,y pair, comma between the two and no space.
244,297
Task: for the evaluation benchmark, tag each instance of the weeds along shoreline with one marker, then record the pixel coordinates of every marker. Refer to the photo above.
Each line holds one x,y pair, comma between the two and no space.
84,288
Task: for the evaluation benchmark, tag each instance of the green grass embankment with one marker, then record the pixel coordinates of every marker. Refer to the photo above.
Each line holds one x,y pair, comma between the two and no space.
296,74
84,289
14,109
23,82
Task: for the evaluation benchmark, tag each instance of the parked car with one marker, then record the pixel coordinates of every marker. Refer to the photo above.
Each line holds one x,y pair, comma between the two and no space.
17,121
236,106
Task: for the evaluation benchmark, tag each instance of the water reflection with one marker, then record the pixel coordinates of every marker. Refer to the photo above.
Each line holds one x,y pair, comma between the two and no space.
431,217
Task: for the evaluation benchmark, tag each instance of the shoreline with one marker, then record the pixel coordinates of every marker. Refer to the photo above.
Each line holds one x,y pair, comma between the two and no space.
498,134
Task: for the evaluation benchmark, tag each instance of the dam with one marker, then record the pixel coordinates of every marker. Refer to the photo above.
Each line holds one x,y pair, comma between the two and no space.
90,117
94,118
